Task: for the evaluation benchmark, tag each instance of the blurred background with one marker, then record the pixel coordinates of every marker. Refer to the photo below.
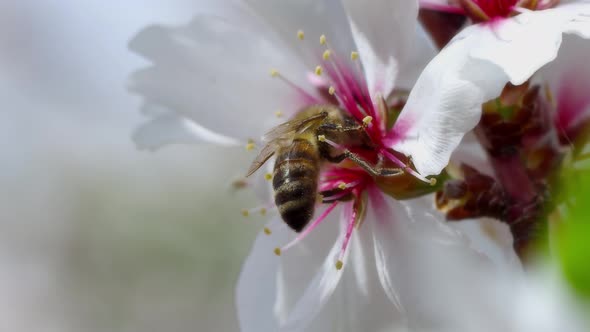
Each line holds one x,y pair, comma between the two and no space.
94,234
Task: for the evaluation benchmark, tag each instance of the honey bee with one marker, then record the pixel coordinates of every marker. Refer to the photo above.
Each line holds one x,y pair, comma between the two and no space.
300,153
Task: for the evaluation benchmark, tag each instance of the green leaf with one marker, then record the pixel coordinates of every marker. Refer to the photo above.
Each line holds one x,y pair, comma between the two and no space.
573,236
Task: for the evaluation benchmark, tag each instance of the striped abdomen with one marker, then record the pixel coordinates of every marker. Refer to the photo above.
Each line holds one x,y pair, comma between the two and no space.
295,181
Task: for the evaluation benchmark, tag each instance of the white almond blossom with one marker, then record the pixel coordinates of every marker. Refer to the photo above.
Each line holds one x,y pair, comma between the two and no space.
510,44
227,77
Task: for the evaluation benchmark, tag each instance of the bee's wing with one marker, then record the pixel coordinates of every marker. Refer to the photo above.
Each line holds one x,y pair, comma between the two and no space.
280,136
263,156
290,127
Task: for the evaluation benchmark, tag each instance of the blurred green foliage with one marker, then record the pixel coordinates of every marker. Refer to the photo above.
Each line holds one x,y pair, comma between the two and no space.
573,236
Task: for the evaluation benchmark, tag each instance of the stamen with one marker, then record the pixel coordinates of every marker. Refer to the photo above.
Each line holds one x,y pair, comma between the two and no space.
342,185
263,209
319,198
267,231
277,251
322,138
310,98
331,90
300,34
250,145
326,54
308,230
268,176
354,56
279,114
319,70
367,120
335,197
407,168
347,236
323,40
352,95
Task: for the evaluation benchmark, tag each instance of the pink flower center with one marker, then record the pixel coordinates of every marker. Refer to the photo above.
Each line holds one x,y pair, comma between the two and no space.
489,10
340,81
496,8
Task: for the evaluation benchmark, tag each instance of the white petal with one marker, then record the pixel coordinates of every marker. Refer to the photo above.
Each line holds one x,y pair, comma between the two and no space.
471,153
493,238
173,129
433,271
320,288
358,303
214,73
421,51
383,32
444,104
523,44
314,18
256,290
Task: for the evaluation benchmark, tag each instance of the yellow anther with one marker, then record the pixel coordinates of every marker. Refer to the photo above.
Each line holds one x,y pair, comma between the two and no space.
263,211
274,73
331,91
268,176
277,251
342,185
354,55
339,265
367,120
323,40
433,181
321,138
327,54
245,213
300,35
267,231
319,70
320,198
250,146
279,113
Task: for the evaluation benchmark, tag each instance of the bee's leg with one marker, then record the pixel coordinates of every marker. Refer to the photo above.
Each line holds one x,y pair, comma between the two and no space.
373,170
334,159
330,127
